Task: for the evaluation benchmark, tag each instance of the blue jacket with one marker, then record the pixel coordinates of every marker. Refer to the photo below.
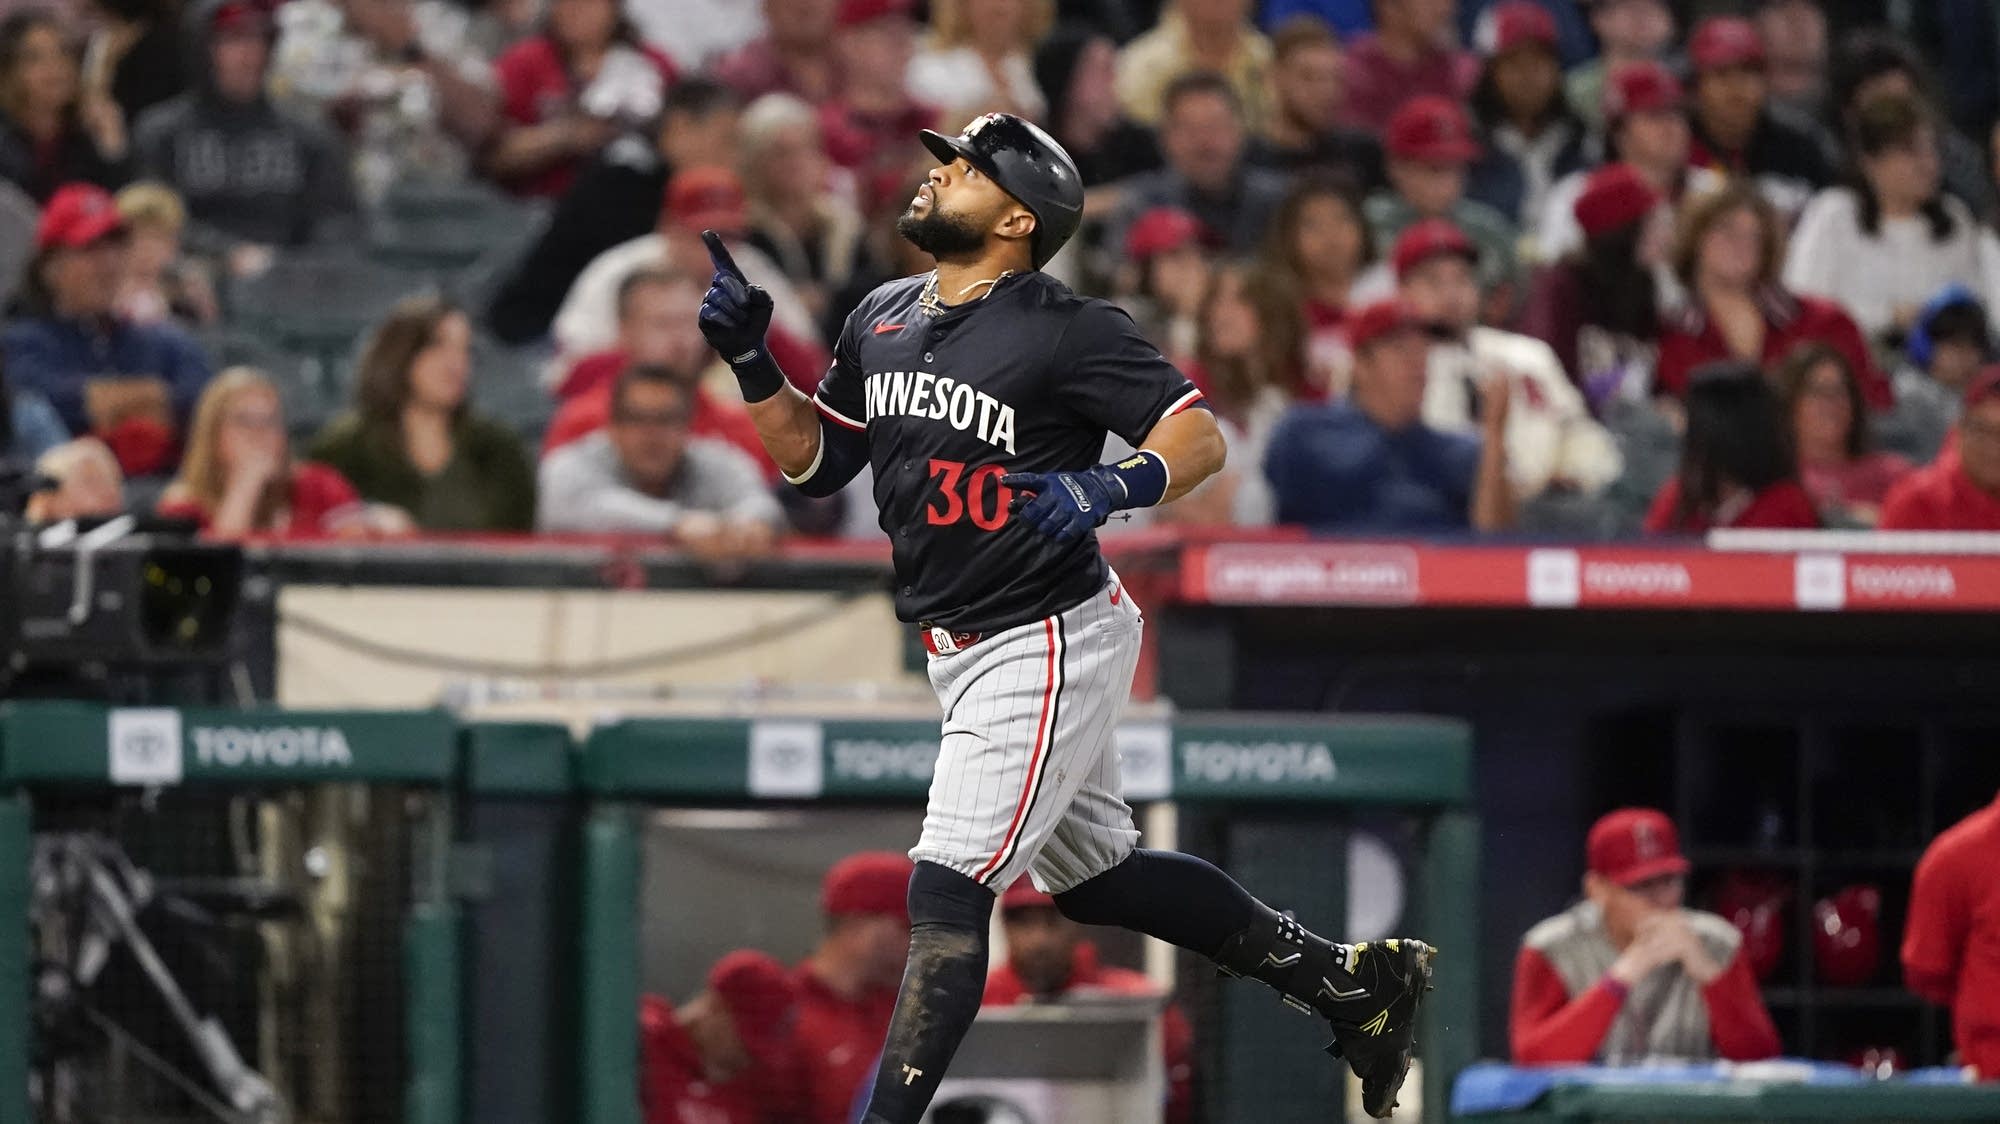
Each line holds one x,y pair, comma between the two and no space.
54,357
1333,469
36,428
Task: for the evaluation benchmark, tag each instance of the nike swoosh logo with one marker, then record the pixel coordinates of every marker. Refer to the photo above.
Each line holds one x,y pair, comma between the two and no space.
881,328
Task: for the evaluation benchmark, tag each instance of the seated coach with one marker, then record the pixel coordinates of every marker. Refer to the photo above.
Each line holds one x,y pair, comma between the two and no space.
1630,975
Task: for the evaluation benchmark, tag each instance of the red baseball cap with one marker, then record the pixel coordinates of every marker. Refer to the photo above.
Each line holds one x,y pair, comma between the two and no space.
1431,129
1985,384
1379,321
244,17
1630,845
1641,87
1162,229
1614,196
872,882
1519,23
77,215
707,198
1725,41
1422,241
1023,895
854,13
759,995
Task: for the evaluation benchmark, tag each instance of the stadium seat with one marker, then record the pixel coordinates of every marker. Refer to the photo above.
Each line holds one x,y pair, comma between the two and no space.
448,227
305,382
505,387
320,304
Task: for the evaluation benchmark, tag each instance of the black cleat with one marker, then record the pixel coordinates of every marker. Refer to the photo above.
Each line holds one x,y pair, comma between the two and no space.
1376,1037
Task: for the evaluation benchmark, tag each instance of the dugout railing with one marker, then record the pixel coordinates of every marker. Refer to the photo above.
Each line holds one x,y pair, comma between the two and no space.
482,945
1287,777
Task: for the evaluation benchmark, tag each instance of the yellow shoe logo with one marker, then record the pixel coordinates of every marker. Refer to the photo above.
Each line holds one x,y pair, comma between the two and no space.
1378,1024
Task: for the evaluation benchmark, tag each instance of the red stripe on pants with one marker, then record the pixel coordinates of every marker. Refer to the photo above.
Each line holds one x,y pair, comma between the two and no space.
1041,747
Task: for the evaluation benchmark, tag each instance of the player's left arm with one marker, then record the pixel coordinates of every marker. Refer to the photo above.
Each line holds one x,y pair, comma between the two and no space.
1110,375
1190,447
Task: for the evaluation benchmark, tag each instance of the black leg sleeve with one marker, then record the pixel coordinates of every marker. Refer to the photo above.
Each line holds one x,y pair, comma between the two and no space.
1177,898
1189,903
942,986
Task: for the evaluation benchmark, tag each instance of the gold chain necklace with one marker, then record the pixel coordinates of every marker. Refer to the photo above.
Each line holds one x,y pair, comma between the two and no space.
930,304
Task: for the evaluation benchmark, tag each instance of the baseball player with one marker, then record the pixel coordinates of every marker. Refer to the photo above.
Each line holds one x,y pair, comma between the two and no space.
980,395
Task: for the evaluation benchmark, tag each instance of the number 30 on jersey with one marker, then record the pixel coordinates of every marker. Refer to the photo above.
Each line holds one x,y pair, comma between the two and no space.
977,495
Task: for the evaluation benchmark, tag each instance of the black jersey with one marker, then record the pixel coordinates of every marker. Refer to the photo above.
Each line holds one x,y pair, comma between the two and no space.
1027,379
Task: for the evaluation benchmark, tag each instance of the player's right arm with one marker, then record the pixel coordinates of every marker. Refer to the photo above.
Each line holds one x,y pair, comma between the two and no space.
818,448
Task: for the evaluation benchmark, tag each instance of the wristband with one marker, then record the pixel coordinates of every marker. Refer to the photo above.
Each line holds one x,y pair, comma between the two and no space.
1616,987
1143,477
758,375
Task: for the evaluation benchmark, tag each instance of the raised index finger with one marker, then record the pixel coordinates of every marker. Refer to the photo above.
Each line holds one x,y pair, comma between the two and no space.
719,254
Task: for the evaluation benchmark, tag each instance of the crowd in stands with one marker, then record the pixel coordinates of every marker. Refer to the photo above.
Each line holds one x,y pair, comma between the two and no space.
1585,268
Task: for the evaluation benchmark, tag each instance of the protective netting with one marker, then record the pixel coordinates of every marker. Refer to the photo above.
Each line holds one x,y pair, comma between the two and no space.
205,956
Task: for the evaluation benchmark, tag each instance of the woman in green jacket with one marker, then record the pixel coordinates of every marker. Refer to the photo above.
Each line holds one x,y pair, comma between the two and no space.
410,439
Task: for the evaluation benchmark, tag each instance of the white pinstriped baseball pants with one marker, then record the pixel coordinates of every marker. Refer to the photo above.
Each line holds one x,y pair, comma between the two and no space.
1027,775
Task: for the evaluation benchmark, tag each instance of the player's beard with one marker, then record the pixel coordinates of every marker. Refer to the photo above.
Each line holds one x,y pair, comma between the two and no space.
940,234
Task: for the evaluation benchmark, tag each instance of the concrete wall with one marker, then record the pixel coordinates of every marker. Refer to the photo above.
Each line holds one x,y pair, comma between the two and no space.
855,643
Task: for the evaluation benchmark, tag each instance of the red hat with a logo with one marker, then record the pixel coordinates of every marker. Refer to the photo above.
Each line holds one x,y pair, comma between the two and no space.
1631,845
1520,23
1431,129
1614,196
867,883
759,995
1162,229
241,17
77,215
1422,241
707,198
1641,87
1023,895
1379,321
1720,42
1847,936
854,13
1755,902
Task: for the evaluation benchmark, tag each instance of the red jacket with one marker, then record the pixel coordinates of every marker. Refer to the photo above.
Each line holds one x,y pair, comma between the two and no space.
672,1088
318,491
835,1043
536,87
1951,943
1940,497
1688,339
1005,989
1782,505
1548,1026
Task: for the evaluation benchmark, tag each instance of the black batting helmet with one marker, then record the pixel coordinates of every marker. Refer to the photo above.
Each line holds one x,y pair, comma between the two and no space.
1029,165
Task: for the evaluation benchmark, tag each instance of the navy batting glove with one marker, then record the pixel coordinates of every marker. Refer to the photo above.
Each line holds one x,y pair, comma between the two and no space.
1065,505
734,317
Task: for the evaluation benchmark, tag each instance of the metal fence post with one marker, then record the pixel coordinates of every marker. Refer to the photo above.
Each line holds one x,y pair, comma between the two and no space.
608,968
1450,1031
